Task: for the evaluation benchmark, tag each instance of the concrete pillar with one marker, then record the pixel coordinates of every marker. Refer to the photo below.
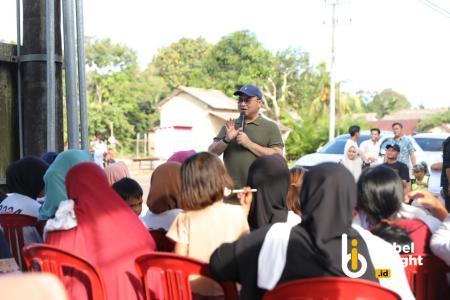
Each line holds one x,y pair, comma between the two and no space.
34,78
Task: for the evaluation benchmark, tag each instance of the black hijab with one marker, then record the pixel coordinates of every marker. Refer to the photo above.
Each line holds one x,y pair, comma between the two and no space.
26,176
328,198
314,248
270,175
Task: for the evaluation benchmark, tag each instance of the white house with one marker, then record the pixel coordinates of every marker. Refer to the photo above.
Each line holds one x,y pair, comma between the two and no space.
190,118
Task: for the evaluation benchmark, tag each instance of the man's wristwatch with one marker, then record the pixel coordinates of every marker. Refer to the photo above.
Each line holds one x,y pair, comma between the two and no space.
224,139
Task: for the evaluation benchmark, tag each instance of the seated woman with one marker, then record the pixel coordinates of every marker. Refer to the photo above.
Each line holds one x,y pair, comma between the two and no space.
380,197
270,176
207,221
180,156
116,171
55,189
49,157
107,233
163,198
25,182
293,196
280,253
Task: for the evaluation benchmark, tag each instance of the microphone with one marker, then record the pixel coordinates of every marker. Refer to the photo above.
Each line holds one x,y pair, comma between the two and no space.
242,116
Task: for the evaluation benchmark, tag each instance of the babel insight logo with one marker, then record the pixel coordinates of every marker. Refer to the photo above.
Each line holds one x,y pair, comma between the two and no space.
357,269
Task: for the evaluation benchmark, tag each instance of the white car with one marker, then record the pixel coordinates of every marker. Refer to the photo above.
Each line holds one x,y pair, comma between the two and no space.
431,143
333,151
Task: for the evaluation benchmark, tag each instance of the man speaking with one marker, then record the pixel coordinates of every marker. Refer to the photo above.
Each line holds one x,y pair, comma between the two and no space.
251,135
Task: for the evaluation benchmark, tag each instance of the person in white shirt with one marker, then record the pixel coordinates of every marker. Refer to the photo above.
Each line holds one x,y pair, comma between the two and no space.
355,134
25,181
99,148
371,148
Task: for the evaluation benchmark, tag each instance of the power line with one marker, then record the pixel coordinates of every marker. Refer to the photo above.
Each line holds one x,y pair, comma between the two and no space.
436,8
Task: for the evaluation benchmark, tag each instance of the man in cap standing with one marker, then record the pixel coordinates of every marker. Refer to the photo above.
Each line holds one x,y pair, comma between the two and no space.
392,152
244,139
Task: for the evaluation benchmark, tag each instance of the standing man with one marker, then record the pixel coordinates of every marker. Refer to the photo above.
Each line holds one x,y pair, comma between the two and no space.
405,145
392,153
371,148
242,140
355,134
445,173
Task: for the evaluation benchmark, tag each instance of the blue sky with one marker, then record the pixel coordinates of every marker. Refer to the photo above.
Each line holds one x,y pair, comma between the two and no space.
401,44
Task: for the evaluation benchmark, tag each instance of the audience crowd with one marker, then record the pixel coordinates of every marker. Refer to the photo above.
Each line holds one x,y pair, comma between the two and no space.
292,225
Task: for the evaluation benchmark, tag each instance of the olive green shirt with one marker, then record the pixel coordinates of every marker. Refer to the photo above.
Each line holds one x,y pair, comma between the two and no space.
238,158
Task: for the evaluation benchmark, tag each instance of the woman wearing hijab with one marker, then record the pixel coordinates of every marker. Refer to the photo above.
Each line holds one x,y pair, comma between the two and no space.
163,198
280,253
25,182
352,162
116,171
49,157
55,190
107,233
180,156
270,176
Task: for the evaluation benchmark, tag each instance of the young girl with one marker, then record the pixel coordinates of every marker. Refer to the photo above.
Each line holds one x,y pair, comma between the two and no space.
207,222
420,180
352,162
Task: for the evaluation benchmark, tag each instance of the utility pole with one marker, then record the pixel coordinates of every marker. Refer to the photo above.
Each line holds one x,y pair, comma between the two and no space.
332,74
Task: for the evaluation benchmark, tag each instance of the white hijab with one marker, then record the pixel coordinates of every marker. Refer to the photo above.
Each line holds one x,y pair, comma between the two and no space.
354,166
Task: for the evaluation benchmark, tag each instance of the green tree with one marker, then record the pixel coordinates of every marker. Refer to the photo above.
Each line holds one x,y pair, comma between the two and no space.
182,62
435,120
238,59
119,92
388,101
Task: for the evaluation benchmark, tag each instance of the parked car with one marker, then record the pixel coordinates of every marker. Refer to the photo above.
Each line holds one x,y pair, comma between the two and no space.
431,143
333,151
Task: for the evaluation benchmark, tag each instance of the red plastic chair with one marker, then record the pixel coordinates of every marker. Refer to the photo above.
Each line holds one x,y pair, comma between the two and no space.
12,225
330,288
427,281
163,243
175,271
45,258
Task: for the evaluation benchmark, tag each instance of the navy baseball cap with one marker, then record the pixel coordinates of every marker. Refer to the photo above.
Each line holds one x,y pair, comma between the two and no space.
250,90
393,146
